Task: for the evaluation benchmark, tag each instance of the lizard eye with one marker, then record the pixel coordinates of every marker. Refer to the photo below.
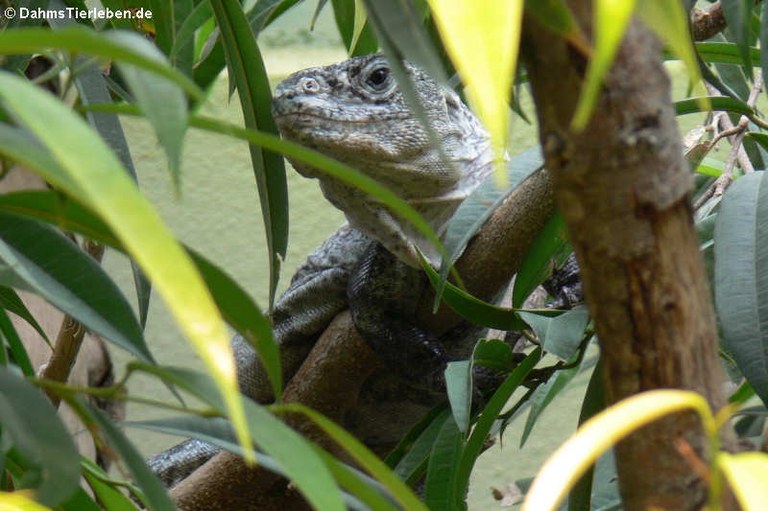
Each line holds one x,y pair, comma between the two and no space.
378,79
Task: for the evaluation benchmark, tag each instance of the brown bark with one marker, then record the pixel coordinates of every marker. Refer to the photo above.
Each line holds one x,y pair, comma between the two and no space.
708,22
623,187
330,379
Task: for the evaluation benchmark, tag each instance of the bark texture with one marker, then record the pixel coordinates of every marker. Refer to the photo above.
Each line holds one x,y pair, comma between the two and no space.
623,187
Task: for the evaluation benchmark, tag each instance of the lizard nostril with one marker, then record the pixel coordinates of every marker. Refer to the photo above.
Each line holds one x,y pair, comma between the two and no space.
309,85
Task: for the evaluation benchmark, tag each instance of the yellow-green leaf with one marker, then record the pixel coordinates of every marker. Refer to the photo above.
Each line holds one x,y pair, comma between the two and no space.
19,501
747,474
90,172
357,29
563,469
482,39
611,18
668,20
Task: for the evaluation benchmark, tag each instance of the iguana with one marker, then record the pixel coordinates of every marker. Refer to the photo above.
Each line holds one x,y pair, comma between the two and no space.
355,112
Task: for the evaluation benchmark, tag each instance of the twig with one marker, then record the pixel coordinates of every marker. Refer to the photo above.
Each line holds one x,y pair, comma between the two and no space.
68,341
735,135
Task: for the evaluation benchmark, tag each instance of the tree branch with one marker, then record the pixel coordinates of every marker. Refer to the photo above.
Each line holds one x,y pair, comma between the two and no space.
340,364
706,23
622,185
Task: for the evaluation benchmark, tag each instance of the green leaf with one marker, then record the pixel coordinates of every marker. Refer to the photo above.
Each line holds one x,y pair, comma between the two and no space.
716,52
361,456
17,348
80,501
549,249
560,335
611,19
357,37
318,161
544,395
163,104
92,88
669,20
555,15
186,31
400,25
763,41
738,17
154,491
483,44
760,138
495,354
126,48
561,470
746,473
11,302
594,402
410,467
39,437
741,276
237,307
168,17
458,382
440,485
252,84
473,309
473,213
488,416
54,267
88,170
242,314
111,498
294,454
717,103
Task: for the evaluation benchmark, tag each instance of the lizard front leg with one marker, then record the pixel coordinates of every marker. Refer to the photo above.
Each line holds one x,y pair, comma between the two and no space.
383,295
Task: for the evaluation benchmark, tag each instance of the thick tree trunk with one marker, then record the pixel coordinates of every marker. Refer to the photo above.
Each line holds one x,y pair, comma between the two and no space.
623,187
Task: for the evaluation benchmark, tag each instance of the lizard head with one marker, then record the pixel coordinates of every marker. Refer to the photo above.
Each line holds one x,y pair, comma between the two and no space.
355,112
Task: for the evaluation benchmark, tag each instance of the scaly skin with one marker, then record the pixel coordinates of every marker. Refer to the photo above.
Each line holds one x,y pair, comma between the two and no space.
354,112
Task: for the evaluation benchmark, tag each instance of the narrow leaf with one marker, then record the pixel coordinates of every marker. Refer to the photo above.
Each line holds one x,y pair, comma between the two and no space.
88,170
294,453
154,491
252,84
17,348
746,473
362,457
669,21
440,484
738,16
546,251
40,438
128,48
489,415
716,103
165,107
611,19
561,470
483,44
473,309
458,382
55,268
11,302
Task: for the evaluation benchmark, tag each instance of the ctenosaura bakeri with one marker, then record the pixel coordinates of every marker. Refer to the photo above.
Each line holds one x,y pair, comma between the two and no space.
354,112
